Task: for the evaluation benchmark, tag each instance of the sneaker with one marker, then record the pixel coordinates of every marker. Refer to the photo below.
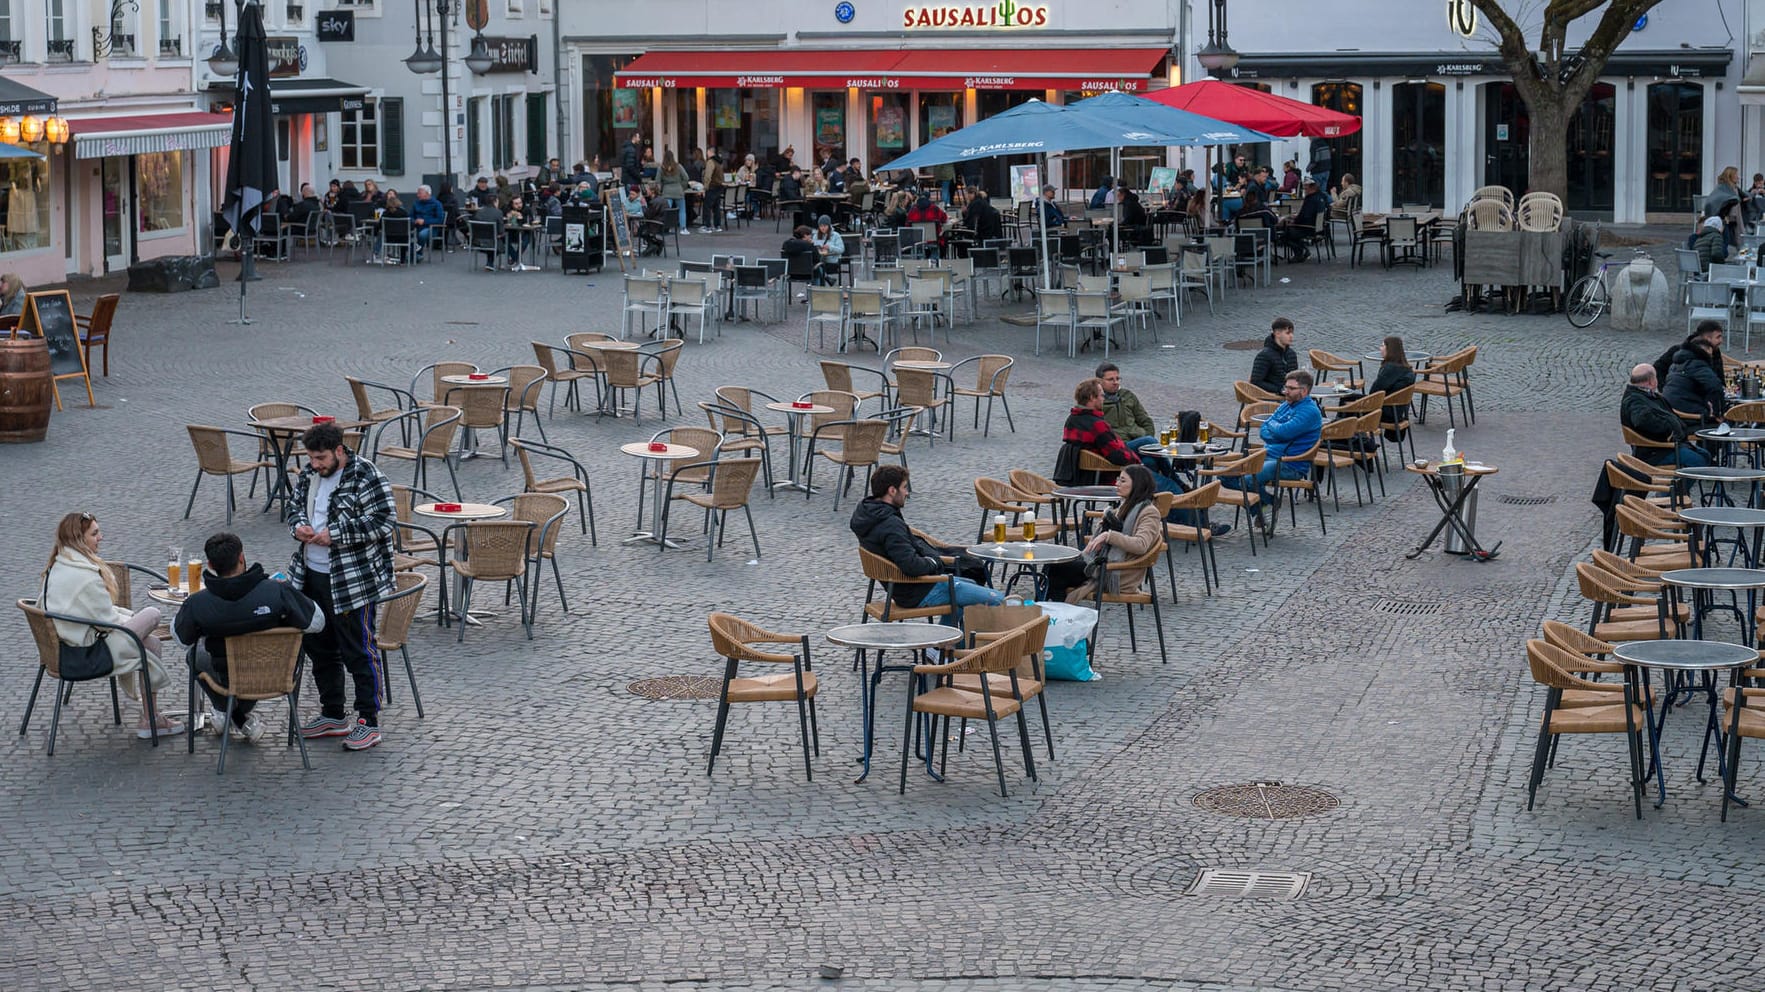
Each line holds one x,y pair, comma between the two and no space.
324,726
704,230
802,297
217,720
1221,530
254,729
361,736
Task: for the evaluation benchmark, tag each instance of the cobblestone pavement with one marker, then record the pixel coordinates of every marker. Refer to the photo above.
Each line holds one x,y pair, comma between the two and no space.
544,828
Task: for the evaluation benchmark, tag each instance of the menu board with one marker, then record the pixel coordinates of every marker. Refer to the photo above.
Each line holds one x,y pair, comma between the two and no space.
617,224
50,316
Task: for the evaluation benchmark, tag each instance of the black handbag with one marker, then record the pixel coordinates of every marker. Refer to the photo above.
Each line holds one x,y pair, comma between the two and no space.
90,662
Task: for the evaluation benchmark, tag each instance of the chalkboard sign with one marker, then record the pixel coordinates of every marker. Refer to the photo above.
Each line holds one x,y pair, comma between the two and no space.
618,225
50,316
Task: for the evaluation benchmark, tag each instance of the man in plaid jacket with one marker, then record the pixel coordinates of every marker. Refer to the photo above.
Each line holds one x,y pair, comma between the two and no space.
343,515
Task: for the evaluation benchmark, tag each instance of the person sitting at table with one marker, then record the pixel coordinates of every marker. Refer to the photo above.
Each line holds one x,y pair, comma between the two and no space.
1394,374
1231,195
331,200
1693,383
1290,176
1710,242
307,206
516,231
653,223
927,212
856,184
394,206
1129,529
1645,411
814,183
1293,428
1293,232
1269,370
1253,206
1196,206
983,218
1052,215
1710,331
883,531
830,250
1123,411
236,599
1136,226
371,193
895,213
744,173
427,217
1347,188
12,295
801,243
1104,195
1086,428
78,583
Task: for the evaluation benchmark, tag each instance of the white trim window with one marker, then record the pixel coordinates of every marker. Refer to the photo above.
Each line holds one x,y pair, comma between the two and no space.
57,32
171,35
11,36
358,138
362,8
159,193
295,13
517,8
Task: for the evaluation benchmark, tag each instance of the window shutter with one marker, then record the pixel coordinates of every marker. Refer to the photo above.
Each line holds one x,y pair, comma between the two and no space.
392,136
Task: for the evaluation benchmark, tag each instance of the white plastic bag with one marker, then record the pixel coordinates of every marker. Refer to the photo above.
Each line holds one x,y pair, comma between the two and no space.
1065,655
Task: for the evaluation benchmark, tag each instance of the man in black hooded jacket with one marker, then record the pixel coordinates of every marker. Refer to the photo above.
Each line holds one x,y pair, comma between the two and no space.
1709,330
237,600
1277,358
882,531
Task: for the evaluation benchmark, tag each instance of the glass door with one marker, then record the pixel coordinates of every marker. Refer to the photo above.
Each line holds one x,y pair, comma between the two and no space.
1345,151
114,177
1676,145
1591,189
1418,144
1507,136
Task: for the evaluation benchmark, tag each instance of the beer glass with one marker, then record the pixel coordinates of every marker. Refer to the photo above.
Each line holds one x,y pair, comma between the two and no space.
1203,433
193,575
999,529
173,570
1029,529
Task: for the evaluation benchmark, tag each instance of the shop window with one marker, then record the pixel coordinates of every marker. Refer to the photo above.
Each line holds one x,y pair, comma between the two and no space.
828,118
1676,145
1589,151
24,200
888,128
686,125
1345,152
996,172
475,135
1418,143
608,113
536,143
502,132
159,191
744,122
392,136
358,140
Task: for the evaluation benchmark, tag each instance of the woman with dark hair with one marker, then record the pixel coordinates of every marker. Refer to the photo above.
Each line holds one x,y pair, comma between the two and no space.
1394,374
1130,530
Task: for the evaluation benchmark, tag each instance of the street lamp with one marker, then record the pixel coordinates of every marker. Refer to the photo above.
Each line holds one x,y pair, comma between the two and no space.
429,59
223,62
479,61
1216,56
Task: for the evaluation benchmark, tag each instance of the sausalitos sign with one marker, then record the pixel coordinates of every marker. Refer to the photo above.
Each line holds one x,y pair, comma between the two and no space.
1004,14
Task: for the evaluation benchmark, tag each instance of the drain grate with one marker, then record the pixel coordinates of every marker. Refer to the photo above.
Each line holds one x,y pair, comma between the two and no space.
1513,500
1255,344
1266,801
678,687
1282,885
1406,608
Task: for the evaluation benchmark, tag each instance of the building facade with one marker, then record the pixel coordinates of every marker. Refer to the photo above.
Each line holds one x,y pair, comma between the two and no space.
130,180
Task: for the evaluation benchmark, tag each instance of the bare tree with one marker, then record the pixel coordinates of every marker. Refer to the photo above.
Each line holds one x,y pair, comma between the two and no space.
1551,81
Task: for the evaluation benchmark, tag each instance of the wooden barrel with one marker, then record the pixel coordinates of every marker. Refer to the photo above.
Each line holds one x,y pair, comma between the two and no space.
26,391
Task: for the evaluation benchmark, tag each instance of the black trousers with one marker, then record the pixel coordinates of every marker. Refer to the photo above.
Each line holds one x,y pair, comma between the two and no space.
345,645
201,661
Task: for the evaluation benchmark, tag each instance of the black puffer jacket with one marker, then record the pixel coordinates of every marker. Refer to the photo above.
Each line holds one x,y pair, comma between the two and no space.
1693,384
883,531
240,604
1273,362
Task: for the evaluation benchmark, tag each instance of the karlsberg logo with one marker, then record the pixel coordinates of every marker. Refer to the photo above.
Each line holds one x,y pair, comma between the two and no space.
1003,148
1138,136
759,81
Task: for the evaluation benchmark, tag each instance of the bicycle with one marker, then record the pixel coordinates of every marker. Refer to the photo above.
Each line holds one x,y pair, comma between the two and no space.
1591,296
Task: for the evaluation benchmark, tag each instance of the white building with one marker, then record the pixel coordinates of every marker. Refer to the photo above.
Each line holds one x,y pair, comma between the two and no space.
878,78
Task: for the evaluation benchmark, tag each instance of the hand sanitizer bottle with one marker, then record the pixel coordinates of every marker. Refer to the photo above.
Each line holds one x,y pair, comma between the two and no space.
1449,454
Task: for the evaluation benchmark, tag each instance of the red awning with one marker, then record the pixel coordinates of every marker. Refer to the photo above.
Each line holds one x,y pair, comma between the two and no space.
1252,108
1125,69
141,134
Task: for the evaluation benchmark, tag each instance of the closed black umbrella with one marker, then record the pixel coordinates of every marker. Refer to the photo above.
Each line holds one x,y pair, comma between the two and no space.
251,167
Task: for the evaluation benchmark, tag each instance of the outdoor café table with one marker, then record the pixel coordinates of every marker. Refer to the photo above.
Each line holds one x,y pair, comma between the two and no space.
796,414
1687,657
667,453
1183,458
1417,359
883,637
1091,497
1719,476
466,513
1703,582
609,397
478,379
1452,507
281,433
1750,436
1708,518
1030,558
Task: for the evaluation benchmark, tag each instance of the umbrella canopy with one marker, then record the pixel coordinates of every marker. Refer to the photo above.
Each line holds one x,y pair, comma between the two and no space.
14,151
1253,108
251,168
1033,128
1175,127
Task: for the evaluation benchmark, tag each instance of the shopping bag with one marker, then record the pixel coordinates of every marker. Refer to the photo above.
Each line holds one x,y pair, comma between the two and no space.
1065,654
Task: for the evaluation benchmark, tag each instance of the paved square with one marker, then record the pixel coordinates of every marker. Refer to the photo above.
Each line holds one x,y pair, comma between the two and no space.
544,828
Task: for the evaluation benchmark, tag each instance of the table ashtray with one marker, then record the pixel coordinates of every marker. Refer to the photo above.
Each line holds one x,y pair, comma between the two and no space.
447,508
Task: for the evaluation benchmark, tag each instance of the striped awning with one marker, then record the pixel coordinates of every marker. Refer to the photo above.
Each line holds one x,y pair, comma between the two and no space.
142,134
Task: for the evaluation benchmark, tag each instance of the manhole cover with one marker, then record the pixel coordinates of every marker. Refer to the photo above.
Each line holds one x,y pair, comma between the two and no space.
1406,609
1251,345
1284,885
678,687
1512,500
1266,801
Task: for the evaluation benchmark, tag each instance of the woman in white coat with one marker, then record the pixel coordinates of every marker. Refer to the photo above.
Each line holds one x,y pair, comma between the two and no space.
77,583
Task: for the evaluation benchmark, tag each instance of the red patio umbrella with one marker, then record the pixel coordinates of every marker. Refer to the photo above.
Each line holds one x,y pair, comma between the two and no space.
1252,108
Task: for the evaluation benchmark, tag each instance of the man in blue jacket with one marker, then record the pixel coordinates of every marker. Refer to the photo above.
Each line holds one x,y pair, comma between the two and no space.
427,217
1291,430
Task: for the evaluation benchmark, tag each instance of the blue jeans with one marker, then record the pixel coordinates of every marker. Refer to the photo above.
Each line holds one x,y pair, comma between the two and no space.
1262,479
677,203
968,593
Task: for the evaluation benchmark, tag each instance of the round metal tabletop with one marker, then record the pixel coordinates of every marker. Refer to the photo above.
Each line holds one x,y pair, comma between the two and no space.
1739,435
1685,656
1095,493
1721,473
893,635
1715,578
1025,552
1723,516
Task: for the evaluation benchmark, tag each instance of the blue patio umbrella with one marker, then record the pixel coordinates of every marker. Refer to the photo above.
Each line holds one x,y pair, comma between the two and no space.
1173,126
1037,128
14,151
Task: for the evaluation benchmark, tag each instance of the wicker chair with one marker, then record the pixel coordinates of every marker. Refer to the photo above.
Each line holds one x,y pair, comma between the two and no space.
49,662
1289,490
995,498
1333,451
1539,211
1246,500
213,457
415,546
735,639
993,661
434,442
546,512
260,666
366,411
492,551
742,435
482,408
660,358
628,371
1547,664
731,483
1198,501
1327,363
525,382
396,613
575,482
1145,595
880,571
981,624
1604,591
577,366
692,470
859,446
838,375
1448,378
1744,715
991,374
